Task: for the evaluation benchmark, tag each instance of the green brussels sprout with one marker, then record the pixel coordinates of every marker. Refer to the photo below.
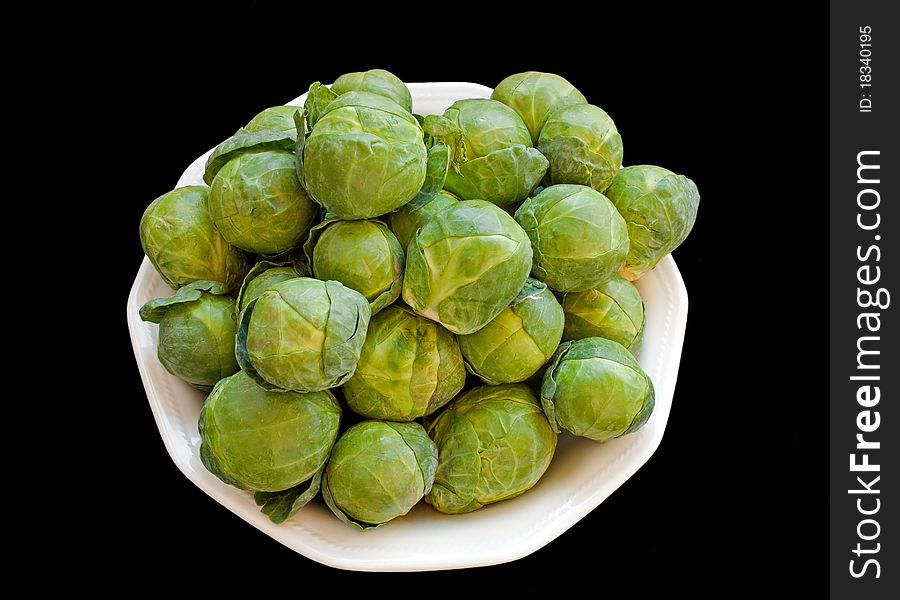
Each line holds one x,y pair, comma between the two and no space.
578,238
518,341
613,310
276,118
595,388
405,221
257,204
377,81
363,255
264,276
303,335
259,440
493,158
659,208
378,471
409,367
583,146
534,95
196,333
494,444
465,265
182,243
364,157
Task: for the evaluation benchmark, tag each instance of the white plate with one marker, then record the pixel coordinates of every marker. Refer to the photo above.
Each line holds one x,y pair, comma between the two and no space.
581,476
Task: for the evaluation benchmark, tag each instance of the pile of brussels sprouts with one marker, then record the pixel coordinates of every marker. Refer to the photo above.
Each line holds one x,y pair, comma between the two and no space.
460,282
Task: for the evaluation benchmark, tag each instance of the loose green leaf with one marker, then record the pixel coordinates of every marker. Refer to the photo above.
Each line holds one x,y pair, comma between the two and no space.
246,141
155,310
281,506
276,118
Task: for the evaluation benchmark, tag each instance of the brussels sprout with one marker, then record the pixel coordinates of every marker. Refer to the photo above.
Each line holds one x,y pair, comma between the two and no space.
659,207
518,341
363,255
257,203
466,265
196,333
534,95
266,441
613,310
578,238
378,471
264,276
596,389
182,243
408,218
377,81
409,367
583,146
303,335
494,443
364,157
493,158
276,118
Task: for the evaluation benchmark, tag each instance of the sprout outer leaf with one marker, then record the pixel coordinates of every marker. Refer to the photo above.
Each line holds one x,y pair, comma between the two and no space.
299,267
548,386
245,141
300,121
435,173
281,506
317,99
154,310
240,350
340,514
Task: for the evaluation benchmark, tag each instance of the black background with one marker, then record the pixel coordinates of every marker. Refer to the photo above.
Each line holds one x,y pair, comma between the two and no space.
735,499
